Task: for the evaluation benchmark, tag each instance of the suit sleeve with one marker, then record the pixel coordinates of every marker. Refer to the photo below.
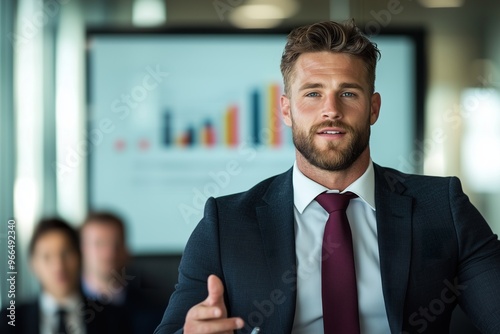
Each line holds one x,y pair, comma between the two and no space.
4,326
479,267
201,258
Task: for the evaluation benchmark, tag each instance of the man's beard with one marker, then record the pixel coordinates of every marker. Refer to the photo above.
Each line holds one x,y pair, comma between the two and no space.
333,158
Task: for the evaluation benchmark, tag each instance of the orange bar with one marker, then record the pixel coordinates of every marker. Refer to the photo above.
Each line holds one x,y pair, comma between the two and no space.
274,115
208,134
204,136
184,139
231,126
235,125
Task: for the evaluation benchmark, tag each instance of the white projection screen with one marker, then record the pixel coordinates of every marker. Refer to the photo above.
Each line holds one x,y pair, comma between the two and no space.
175,117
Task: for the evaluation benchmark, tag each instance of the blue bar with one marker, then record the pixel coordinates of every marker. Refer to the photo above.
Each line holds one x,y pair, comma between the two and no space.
255,114
190,131
167,128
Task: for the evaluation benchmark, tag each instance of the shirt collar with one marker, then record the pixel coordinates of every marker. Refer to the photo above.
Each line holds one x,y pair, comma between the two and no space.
50,305
305,190
89,291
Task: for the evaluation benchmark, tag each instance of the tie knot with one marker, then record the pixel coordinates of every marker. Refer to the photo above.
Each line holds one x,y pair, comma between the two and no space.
332,202
61,312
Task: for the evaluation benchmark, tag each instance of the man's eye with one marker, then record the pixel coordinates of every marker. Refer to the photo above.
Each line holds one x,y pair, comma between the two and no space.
312,94
348,94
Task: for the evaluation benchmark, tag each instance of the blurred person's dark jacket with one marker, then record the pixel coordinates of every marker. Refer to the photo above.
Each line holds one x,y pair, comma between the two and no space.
142,315
97,319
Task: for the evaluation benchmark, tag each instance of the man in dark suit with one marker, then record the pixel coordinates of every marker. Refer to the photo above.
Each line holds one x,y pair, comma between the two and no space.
411,247
106,278
61,308
105,256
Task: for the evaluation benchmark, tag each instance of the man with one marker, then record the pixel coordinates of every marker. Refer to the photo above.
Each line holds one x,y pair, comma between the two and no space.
106,279
105,255
55,261
418,246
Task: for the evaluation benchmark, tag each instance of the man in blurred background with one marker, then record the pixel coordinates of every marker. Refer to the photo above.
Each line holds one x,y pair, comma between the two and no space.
61,308
106,277
105,256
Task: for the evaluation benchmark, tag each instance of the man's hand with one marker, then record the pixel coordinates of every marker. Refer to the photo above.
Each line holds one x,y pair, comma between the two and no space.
210,316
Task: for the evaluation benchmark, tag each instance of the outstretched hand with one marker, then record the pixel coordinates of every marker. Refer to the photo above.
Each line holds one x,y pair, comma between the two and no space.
210,316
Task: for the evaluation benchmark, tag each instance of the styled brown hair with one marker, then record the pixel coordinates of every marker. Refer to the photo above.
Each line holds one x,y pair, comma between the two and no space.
328,36
54,225
104,218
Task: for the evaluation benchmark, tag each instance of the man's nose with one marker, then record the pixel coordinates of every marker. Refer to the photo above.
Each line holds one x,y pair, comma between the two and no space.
332,108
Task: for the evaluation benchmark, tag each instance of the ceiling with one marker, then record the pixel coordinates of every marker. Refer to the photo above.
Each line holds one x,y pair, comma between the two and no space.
204,12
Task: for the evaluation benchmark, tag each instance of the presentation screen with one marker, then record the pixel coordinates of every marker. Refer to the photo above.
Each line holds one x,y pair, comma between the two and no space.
178,117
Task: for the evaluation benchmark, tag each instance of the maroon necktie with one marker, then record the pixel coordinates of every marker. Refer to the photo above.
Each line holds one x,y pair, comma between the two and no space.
338,275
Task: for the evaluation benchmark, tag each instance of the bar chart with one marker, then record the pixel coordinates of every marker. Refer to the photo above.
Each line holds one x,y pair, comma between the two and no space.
259,113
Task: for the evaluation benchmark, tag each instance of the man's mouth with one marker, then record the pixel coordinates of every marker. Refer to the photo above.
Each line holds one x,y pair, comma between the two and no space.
331,132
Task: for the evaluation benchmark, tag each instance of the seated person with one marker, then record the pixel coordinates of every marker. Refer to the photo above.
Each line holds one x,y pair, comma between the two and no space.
105,255
61,308
106,279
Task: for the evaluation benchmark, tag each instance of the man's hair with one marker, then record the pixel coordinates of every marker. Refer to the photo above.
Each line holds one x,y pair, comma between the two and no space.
328,36
48,225
104,218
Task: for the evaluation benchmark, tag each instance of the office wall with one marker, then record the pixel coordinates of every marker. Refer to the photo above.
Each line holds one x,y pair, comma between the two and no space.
7,152
492,38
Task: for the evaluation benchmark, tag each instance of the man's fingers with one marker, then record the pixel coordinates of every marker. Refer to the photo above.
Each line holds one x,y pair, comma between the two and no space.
214,326
210,316
202,312
215,290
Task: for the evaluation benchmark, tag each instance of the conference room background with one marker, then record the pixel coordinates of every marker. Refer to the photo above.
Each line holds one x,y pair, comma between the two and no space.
147,107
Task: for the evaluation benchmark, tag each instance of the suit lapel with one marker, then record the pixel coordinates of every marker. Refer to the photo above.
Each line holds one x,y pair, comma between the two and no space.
394,225
276,223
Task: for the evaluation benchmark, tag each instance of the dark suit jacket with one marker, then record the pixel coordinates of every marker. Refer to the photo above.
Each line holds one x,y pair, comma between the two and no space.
97,319
141,315
435,249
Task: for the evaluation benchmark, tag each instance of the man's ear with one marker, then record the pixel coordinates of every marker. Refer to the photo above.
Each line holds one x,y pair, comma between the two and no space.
286,110
376,102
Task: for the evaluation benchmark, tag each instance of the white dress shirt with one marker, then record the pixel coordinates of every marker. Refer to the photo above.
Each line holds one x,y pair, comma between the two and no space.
310,220
49,319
